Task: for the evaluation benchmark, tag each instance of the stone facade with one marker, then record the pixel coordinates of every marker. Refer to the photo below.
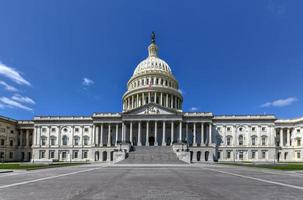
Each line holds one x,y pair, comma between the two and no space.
152,116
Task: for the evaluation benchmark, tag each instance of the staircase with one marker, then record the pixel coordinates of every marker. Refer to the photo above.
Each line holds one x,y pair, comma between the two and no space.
152,155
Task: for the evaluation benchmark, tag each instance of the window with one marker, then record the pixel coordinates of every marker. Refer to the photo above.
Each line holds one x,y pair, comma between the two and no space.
298,130
76,140
76,130
53,140
65,130
263,140
240,155
85,140
11,143
63,155
2,130
263,129
253,140
84,154
12,132
64,140
240,129
75,154
298,154
263,154
85,129
43,140
11,155
2,142
228,140
1,155
53,129
241,140
228,129
52,154
43,130
298,142
228,155
253,154
253,129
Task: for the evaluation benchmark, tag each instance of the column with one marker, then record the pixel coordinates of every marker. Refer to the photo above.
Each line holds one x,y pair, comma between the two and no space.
210,133
148,97
195,135
73,135
97,135
59,136
163,134
202,133
143,99
172,133
248,135
108,136
137,101
186,130
281,137
171,101
132,102
155,97
288,137
180,131
117,129
166,100
27,137
161,99
139,134
147,133
131,133
156,133
101,135
35,135
123,132
21,137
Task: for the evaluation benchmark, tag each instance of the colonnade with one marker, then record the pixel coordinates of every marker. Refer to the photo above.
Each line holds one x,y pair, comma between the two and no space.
163,99
285,135
153,133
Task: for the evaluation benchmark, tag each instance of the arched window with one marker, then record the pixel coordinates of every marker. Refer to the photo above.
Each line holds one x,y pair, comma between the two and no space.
76,140
64,140
240,139
85,140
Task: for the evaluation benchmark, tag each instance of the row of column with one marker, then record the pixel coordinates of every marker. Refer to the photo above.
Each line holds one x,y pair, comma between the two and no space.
100,134
285,137
164,99
27,137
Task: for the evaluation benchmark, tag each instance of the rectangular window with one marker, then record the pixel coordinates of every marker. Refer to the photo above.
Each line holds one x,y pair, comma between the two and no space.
1,155
85,154
63,155
85,129
75,154
52,154
42,154
11,155
43,130
77,130
228,154
241,155
53,129
2,142
253,155
2,130
298,142
263,141
11,143
263,154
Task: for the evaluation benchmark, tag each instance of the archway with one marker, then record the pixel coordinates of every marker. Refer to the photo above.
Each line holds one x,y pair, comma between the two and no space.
104,156
206,155
151,140
96,155
198,155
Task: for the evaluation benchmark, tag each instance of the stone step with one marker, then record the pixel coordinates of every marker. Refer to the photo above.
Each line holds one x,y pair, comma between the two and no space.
152,155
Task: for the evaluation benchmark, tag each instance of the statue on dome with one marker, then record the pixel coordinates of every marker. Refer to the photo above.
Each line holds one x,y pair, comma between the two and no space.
153,37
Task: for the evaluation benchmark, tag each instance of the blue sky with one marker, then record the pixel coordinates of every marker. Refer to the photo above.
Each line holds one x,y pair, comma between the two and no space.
230,57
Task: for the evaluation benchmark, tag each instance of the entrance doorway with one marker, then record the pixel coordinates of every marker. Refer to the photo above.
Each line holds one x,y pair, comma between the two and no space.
151,140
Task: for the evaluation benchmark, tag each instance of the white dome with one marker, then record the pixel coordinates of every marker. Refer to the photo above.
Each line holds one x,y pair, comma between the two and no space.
152,64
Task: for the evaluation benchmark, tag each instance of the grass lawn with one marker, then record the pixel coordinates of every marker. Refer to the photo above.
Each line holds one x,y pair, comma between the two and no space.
31,166
279,166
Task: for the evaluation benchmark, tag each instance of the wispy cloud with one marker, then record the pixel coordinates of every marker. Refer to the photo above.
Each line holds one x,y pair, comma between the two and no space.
193,109
13,75
8,87
7,102
23,99
87,82
280,102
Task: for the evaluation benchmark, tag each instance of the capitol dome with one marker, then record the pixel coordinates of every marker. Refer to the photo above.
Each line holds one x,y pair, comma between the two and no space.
152,82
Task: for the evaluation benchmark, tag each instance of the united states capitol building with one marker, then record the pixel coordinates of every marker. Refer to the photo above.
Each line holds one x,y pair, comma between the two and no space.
152,118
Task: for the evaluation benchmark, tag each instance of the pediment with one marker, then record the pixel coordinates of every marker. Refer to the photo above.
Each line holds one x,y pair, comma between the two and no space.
152,109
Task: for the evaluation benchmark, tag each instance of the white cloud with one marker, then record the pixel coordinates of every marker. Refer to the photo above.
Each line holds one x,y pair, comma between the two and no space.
280,102
8,87
87,82
7,102
22,99
13,75
193,109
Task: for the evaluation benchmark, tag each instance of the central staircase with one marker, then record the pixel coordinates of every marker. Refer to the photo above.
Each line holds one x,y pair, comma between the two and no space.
152,155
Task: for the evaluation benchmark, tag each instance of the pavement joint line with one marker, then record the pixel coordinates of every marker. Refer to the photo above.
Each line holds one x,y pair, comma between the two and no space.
48,178
258,179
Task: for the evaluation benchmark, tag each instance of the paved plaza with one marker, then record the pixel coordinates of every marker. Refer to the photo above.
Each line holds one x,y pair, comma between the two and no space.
98,181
